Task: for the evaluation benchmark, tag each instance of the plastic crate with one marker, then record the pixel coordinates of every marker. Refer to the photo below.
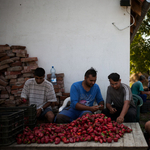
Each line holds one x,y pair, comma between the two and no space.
30,118
11,123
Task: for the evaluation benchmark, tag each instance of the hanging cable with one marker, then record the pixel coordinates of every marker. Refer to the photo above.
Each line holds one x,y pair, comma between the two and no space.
127,26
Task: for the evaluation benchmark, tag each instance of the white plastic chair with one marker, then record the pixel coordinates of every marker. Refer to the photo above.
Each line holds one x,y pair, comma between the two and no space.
64,104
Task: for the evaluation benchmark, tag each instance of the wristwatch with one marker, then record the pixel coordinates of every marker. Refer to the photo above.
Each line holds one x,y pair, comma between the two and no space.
42,108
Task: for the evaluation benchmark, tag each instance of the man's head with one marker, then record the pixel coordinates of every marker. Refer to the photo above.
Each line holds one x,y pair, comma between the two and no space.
114,79
142,78
39,75
90,77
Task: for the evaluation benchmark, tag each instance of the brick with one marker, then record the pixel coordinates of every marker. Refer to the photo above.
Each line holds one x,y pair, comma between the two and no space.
17,47
2,88
7,61
29,59
4,92
16,87
15,68
15,58
20,51
28,69
57,75
4,96
3,78
2,54
27,75
11,97
20,79
4,66
19,83
11,77
17,63
57,90
10,103
12,73
4,58
56,86
2,101
8,89
60,82
32,63
21,55
15,92
4,47
13,80
2,82
10,53
60,78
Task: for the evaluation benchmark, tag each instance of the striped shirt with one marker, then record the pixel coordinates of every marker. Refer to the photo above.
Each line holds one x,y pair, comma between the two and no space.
38,94
117,97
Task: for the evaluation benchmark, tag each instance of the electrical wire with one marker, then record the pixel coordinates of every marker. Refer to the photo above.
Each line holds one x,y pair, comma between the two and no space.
127,26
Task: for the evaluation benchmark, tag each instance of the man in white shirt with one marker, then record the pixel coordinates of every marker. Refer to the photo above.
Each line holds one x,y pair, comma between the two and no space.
40,92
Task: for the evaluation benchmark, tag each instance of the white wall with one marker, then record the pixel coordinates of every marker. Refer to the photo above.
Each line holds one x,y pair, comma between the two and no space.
72,35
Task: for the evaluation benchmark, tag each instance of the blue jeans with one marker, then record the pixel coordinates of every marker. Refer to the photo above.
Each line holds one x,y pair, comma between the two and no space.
69,114
143,96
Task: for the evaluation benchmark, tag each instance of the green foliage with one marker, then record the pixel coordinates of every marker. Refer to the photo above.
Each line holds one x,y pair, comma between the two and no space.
140,48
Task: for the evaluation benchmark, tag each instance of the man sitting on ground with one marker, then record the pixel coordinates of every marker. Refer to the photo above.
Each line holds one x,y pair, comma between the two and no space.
40,92
82,94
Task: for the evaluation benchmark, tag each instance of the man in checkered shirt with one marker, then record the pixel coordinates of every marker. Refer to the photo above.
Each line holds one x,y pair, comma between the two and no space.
40,92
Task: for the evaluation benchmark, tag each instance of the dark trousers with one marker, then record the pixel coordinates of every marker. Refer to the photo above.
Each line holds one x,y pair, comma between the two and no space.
129,117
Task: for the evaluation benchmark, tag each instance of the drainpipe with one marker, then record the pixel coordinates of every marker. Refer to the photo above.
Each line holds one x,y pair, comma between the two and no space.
145,8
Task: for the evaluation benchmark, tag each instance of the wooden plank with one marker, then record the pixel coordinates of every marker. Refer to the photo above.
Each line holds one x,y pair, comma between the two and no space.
138,136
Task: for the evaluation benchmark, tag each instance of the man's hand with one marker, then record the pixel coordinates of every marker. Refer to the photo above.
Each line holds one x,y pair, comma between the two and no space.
113,110
120,120
38,112
94,108
101,107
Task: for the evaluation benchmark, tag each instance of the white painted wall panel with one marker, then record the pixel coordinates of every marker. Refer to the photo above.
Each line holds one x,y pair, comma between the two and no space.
72,35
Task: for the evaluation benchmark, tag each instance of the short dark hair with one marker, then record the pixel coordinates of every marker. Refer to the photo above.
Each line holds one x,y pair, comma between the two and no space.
114,76
39,72
142,77
91,71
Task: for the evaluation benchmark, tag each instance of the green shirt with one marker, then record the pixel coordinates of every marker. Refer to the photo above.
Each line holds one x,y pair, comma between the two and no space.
137,87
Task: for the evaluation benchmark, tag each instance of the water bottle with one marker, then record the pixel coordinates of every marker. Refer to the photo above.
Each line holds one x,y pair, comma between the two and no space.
53,76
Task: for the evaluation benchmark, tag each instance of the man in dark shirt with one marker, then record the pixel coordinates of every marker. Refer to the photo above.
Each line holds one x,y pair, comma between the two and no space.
123,107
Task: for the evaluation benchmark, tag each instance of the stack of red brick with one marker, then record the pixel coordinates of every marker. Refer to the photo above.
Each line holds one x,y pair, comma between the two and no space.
15,68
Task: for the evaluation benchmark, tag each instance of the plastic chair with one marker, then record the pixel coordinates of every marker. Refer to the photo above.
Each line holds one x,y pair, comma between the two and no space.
64,104
138,103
